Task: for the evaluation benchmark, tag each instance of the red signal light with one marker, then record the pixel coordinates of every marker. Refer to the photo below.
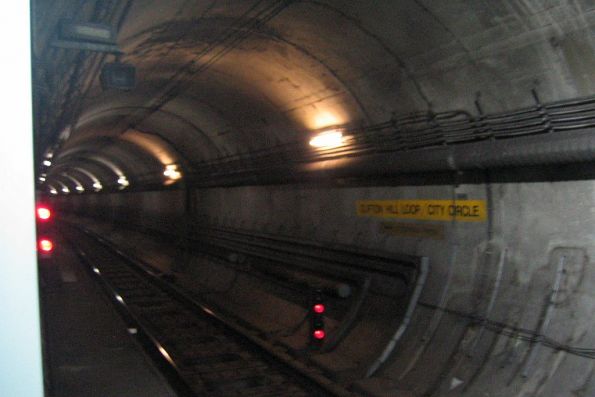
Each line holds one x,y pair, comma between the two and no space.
319,334
319,308
43,213
45,245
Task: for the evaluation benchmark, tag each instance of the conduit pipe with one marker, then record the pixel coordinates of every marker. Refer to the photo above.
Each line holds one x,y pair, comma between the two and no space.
390,347
552,148
309,281
544,149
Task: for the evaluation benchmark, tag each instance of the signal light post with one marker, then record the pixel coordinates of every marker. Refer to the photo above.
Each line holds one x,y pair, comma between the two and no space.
43,213
317,310
46,245
45,231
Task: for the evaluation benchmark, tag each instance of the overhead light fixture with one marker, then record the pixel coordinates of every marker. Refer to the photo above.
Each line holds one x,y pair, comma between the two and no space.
42,178
327,140
118,75
172,172
87,31
97,186
47,163
53,191
123,182
65,134
86,36
80,189
65,190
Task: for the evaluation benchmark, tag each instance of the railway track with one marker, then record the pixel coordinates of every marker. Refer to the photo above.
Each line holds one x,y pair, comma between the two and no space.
200,353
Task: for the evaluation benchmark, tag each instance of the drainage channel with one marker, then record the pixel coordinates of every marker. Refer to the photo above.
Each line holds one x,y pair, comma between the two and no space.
200,353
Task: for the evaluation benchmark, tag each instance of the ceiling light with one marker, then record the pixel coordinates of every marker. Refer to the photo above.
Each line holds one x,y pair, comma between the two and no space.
172,172
80,189
65,190
53,191
327,139
47,163
97,186
123,182
42,178
87,32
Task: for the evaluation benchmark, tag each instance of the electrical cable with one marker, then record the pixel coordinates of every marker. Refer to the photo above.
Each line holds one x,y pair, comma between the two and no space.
510,331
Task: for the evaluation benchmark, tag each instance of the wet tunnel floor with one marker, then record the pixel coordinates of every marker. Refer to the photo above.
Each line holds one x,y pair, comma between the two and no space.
87,349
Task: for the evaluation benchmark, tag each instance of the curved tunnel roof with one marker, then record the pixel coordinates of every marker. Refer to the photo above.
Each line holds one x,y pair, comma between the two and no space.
220,139
226,79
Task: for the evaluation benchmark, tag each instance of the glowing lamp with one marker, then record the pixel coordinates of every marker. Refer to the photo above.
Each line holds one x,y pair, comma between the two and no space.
172,172
123,182
327,140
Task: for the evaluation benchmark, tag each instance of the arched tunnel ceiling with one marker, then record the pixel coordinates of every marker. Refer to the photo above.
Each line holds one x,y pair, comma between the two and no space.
231,92
218,79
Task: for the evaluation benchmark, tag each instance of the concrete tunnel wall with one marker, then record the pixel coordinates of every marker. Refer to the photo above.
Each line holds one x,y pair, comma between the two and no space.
505,274
504,298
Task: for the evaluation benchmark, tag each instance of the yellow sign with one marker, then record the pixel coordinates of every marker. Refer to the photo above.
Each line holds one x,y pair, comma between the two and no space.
430,210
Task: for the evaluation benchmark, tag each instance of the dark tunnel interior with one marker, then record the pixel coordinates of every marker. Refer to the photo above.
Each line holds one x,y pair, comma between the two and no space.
422,168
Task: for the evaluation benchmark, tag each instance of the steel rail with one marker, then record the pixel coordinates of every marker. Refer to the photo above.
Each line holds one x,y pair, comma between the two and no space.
317,383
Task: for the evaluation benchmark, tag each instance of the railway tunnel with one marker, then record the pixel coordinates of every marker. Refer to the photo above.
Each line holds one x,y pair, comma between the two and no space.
424,170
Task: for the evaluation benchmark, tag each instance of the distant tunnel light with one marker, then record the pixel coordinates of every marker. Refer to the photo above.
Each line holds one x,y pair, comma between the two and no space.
123,182
80,189
47,163
65,190
165,355
97,186
327,140
92,32
45,245
172,172
43,213
42,178
53,191
319,334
